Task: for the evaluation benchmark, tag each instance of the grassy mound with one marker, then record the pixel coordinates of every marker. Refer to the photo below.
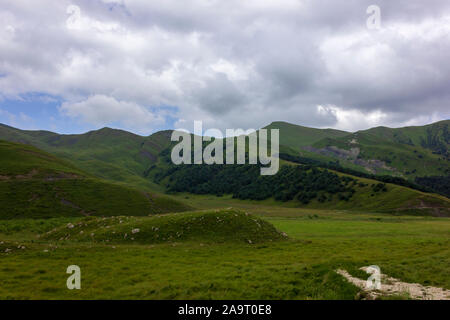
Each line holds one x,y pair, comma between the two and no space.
34,184
228,225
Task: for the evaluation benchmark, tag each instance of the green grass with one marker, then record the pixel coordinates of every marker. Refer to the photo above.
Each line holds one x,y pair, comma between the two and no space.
124,157
397,200
78,197
413,249
35,184
407,152
229,225
110,154
197,255
21,159
295,136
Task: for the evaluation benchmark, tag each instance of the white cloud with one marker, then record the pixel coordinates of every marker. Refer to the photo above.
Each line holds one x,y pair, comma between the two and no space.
102,110
229,63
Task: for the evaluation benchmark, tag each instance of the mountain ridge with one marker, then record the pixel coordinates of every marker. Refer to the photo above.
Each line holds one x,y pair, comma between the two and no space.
408,152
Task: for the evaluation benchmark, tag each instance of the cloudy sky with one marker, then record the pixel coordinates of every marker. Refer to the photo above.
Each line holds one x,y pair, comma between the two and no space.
144,65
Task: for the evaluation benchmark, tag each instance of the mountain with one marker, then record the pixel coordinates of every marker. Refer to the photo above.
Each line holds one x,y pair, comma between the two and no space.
296,137
435,137
417,155
408,152
35,184
107,153
299,186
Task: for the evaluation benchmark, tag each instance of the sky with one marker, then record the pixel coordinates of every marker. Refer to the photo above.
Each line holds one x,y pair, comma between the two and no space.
71,66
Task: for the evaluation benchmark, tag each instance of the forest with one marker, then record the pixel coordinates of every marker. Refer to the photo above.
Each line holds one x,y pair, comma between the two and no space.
301,183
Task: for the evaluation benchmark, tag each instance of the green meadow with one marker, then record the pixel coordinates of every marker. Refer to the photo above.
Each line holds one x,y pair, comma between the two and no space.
297,260
68,205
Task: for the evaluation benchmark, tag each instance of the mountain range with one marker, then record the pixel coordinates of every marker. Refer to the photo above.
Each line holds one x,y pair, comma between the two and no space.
405,158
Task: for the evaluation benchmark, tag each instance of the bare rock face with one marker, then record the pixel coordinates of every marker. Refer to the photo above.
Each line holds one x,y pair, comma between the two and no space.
352,155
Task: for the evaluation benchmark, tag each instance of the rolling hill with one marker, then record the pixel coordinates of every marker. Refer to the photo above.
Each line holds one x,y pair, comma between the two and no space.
301,186
121,156
408,152
415,154
107,153
35,184
296,137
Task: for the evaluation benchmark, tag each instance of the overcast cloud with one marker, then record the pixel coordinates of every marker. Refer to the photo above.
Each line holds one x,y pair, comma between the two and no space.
233,63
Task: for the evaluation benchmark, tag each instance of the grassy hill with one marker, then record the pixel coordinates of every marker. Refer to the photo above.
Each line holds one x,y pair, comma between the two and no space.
35,184
435,137
301,186
107,153
295,136
394,199
226,225
119,156
408,152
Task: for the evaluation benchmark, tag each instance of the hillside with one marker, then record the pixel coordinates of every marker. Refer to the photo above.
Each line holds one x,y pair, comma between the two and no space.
435,136
405,152
107,153
295,136
35,184
417,154
299,185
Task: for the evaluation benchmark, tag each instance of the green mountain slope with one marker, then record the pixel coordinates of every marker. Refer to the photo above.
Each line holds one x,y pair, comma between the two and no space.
107,153
435,137
405,152
35,184
295,136
299,185
120,156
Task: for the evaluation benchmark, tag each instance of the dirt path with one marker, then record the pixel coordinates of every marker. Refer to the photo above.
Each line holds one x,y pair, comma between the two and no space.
392,286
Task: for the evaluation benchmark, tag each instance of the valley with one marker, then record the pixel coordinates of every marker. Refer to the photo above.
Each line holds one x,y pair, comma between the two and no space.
140,227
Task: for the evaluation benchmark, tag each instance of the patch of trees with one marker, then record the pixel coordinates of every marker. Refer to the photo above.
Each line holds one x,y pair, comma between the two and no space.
438,183
301,183
438,139
382,178
379,187
236,179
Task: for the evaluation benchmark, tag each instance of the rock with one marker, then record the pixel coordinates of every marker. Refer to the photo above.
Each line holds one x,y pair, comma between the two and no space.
70,226
135,230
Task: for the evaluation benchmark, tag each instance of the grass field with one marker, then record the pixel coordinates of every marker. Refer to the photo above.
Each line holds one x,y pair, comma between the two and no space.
413,249
35,184
132,244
